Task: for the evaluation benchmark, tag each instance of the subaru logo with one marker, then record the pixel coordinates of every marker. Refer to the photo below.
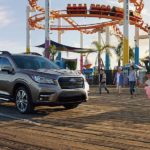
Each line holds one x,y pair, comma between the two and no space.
72,80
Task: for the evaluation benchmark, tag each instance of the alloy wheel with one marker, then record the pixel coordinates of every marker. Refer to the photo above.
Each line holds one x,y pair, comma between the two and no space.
22,100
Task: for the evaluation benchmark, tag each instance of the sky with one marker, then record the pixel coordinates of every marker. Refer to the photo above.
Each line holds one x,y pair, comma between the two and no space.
13,27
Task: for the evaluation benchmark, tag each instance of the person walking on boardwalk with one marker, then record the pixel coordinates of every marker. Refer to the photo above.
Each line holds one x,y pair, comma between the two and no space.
118,80
147,85
132,81
102,81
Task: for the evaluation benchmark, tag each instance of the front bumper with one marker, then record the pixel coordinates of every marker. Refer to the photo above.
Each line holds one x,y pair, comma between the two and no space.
54,95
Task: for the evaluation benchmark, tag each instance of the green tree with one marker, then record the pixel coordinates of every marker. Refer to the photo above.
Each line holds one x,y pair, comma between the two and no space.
101,49
131,54
53,51
119,53
71,64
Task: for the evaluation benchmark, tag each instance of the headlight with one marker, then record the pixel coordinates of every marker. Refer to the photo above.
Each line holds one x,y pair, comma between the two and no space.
41,79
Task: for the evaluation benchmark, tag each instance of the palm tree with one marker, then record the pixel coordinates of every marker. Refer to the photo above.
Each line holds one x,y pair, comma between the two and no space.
53,51
119,53
131,54
101,49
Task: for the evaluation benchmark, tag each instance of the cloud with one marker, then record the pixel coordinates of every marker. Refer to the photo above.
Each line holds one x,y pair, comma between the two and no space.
5,17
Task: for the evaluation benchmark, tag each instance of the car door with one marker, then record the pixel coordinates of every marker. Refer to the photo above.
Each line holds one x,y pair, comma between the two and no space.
5,78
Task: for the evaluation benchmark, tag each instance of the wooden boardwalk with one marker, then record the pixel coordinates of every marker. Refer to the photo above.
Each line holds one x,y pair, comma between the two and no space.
105,122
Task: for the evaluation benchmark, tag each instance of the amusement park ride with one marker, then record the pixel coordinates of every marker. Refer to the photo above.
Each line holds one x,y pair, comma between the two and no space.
115,16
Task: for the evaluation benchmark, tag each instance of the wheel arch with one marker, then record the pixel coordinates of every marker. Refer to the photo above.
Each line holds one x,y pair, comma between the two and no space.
21,84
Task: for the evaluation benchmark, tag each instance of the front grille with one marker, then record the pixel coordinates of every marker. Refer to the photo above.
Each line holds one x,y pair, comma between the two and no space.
71,82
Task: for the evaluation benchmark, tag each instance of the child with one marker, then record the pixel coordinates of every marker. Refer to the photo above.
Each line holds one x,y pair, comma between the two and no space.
147,86
132,81
119,80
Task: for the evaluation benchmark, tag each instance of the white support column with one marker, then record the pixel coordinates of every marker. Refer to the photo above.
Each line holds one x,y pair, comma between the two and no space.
99,37
28,31
137,36
81,39
81,56
59,31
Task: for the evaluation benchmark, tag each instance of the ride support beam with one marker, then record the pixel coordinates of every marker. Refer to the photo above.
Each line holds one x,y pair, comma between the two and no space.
126,33
47,28
136,57
107,58
28,31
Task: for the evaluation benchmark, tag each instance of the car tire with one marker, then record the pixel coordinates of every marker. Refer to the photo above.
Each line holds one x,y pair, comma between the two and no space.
23,100
70,106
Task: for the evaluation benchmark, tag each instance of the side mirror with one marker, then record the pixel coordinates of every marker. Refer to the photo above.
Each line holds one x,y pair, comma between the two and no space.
8,69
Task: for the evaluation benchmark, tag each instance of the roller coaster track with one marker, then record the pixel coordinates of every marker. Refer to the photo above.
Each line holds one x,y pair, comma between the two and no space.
34,6
88,29
139,5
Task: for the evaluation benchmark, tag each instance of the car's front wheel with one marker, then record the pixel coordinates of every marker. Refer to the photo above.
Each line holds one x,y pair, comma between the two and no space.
23,100
71,106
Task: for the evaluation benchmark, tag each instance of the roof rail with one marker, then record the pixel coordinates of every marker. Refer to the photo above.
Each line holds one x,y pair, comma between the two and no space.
5,52
33,53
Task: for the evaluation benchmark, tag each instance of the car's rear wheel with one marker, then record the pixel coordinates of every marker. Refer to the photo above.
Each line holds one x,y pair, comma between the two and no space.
23,100
70,106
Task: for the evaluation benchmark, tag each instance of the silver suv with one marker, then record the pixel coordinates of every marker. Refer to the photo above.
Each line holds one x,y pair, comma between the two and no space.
31,80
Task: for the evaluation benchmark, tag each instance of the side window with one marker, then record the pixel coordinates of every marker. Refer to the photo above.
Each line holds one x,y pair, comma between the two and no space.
5,62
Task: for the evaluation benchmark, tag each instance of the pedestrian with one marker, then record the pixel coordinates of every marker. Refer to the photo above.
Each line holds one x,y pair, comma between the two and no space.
118,80
102,81
147,86
132,80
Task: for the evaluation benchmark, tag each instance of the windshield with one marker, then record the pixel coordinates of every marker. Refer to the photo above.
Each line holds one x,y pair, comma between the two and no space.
33,62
